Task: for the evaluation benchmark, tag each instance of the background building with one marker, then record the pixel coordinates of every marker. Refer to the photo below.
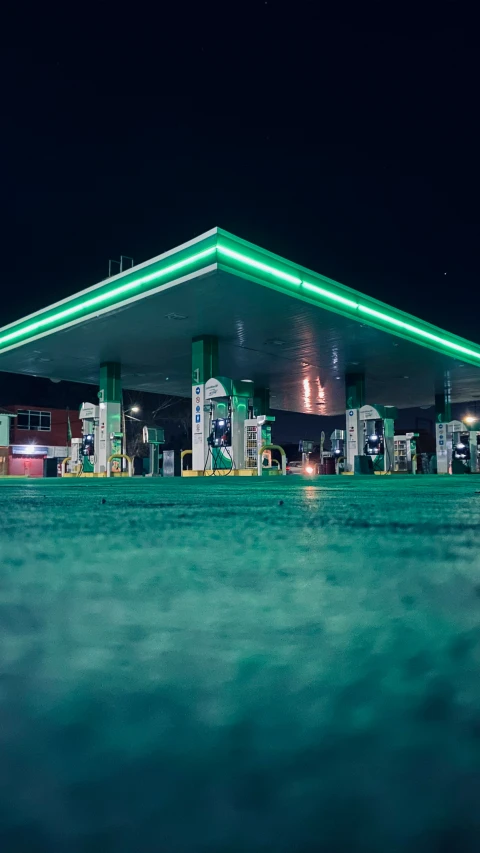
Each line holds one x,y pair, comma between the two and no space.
30,434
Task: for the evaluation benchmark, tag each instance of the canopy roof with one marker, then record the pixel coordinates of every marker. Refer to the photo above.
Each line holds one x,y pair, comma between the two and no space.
279,324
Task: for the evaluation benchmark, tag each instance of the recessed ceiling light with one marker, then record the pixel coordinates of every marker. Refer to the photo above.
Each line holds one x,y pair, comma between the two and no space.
246,380
338,377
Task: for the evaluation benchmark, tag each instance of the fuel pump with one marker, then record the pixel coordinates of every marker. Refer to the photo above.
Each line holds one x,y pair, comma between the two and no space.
337,441
466,451
258,433
101,439
405,452
461,452
332,461
370,433
228,404
458,448
76,458
447,437
84,449
220,441
475,451
237,432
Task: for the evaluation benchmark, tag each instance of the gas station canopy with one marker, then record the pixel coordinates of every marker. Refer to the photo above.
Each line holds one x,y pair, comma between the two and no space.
281,325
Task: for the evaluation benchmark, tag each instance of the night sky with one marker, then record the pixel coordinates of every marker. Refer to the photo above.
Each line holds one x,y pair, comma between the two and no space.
346,142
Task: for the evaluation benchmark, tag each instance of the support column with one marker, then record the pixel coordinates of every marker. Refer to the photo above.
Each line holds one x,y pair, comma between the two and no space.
261,401
443,416
110,416
204,366
354,400
443,407
354,390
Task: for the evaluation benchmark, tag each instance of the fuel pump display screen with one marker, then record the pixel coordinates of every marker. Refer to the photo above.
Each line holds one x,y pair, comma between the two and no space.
87,445
374,445
221,434
461,449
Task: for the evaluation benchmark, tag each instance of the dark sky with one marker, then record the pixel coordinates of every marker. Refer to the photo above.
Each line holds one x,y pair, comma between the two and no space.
345,141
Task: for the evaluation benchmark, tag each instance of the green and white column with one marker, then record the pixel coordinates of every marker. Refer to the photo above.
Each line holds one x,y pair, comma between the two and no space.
110,415
204,366
354,400
443,416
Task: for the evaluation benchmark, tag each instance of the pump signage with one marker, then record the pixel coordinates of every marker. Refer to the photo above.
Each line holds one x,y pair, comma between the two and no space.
198,456
215,388
367,413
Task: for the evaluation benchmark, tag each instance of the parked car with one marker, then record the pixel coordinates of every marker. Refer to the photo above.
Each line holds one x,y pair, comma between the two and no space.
300,468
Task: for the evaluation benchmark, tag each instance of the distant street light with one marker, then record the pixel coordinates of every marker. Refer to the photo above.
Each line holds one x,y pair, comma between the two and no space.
126,413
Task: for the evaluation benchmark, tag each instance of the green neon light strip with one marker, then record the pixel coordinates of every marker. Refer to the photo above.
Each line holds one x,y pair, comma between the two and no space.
387,319
106,296
416,331
250,262
349,303
329,295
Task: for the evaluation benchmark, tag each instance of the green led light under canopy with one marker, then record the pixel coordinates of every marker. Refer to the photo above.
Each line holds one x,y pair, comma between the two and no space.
418,331
342,300
259,265
329,296
106,296
386,318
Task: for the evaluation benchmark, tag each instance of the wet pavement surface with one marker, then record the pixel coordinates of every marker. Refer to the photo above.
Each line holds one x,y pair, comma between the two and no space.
240,665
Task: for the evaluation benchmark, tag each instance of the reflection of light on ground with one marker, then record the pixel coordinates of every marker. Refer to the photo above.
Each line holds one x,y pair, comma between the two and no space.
335,357
307,394
310,493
